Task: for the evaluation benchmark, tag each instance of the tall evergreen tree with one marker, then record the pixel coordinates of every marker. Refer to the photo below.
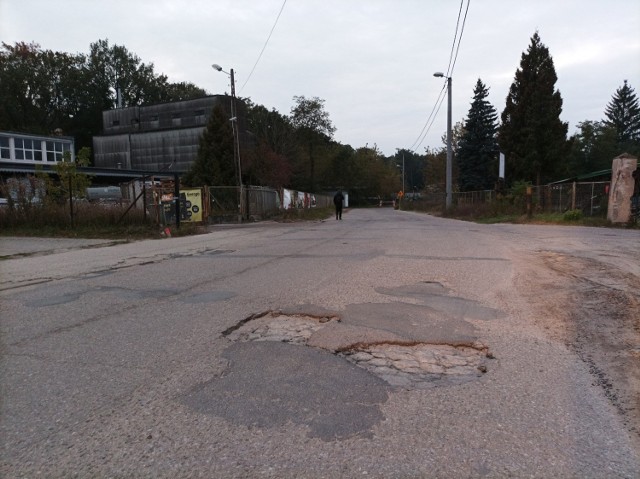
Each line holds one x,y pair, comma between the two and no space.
623,114
532,136
478,146
215,163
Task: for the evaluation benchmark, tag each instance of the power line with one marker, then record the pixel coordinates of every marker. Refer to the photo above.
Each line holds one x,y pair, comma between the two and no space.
452,62
455,37
464,21
429,122
264,47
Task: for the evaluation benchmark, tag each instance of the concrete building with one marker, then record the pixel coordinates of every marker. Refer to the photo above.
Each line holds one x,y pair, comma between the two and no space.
161,137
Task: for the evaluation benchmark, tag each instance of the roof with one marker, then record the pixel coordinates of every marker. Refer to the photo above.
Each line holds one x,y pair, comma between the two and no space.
586,176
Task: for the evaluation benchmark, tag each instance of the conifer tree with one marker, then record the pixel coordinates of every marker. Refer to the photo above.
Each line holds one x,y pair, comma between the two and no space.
478,147
215,163
532,136
623,114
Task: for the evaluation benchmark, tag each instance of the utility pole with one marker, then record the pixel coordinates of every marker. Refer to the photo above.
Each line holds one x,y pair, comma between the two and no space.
236,142
448,187
236,137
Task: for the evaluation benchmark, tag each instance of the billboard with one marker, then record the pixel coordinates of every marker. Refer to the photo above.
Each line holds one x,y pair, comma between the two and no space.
190,206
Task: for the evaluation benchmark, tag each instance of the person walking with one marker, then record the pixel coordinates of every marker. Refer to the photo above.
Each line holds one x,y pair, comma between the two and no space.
338,199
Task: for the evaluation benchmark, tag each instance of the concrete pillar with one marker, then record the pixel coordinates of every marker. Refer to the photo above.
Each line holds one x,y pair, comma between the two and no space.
621,188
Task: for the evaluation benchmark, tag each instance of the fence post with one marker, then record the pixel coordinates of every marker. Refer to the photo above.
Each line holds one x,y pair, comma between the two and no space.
529,201
176,196
573,196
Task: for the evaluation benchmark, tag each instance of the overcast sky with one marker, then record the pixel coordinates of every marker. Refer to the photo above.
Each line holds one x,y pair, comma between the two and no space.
372,61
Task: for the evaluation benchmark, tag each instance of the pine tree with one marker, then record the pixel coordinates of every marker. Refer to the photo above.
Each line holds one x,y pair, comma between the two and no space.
478,146
532,136
215,163
623,114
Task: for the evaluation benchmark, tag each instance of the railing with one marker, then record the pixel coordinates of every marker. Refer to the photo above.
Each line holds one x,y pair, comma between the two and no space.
589,197
256,202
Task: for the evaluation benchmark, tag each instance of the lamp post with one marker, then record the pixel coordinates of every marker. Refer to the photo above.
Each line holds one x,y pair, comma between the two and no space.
449,151
402,174
236,136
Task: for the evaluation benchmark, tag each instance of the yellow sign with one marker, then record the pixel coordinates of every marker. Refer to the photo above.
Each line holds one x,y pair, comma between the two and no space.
191,205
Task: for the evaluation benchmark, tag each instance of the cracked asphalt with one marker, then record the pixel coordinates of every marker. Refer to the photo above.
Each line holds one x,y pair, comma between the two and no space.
117,359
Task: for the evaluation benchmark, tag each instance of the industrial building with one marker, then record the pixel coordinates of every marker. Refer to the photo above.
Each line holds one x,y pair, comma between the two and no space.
163,137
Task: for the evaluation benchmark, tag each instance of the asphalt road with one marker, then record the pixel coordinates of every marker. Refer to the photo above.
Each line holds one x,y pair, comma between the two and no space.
388,344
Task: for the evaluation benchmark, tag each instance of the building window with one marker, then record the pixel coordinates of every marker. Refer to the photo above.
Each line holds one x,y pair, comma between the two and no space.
175,119
28,150
56,150
5,150
115,123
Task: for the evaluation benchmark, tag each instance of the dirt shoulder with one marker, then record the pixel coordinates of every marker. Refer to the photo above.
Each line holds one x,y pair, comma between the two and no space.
592,306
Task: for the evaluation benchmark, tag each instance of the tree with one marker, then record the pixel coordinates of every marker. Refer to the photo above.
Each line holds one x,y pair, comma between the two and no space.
434,170
312,123
71,183
413,169
623,114
182,91
215,162
274,145
531,135
478,146
122,76
38,88
593,147
376,177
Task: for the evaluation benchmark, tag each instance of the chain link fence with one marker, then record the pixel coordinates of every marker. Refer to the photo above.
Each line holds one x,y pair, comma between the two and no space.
591,198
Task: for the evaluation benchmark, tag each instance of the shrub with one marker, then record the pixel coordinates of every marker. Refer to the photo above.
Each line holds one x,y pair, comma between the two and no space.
572,215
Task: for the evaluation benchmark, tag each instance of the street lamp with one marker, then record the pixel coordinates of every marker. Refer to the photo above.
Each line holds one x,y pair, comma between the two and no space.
449,151
402,174
236,136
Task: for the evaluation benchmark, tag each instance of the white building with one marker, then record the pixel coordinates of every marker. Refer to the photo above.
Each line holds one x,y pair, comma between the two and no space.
26,149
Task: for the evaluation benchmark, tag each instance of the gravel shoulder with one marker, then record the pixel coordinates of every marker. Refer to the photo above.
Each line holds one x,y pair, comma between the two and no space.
590,302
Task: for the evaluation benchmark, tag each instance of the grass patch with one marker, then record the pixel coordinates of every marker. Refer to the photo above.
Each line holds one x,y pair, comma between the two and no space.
306,214
90,221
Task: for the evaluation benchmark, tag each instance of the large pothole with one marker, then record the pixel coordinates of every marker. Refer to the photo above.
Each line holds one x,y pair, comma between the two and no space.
421,365
410,364
278,326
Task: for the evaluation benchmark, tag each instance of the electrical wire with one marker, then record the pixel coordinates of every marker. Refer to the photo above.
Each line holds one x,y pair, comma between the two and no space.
455,37
452,62
464,21
430,118
264,46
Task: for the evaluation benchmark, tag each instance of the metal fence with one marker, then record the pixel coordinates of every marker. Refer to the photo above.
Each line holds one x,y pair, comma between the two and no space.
473,197
590,198
256,202
262,202
225,203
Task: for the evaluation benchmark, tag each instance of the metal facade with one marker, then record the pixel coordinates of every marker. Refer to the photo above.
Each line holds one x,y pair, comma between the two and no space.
162,137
